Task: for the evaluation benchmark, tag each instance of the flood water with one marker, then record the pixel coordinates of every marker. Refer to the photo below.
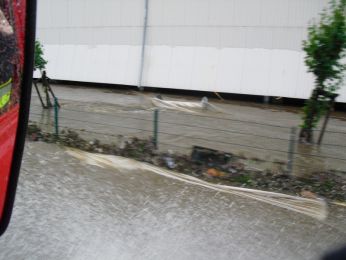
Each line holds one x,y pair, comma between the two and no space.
252,130
69,210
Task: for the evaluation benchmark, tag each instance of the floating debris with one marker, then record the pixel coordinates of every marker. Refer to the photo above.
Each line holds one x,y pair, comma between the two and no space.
316,208
207,164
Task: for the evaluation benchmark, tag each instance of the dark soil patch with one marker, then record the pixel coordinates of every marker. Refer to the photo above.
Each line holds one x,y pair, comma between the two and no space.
330,184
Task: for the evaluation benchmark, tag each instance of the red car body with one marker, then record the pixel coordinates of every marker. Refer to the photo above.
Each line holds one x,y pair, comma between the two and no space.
8,127
9,116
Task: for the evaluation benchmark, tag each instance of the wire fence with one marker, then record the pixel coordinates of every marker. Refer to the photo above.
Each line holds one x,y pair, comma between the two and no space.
180,131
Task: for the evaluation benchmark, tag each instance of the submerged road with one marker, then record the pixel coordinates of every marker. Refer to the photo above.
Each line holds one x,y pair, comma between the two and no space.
68,210
227,126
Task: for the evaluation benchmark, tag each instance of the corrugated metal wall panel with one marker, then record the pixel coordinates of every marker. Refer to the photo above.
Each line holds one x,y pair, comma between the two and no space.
234,37
77,15
301,12
43,14
131,12
181,64
248,13
197,12
222,12
274,13
59,13
173,13
207,23
230,69
237,46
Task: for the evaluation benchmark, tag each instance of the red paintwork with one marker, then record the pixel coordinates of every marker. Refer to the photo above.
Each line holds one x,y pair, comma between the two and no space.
9,120
8,128
19,7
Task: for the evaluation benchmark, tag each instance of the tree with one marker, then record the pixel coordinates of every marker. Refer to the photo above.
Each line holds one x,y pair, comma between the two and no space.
325,49
40,62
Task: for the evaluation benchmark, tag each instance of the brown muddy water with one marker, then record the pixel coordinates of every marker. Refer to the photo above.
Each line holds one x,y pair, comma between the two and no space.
254,131
66,209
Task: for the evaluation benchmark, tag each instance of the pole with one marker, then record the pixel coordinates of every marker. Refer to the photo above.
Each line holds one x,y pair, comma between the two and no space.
39,94
326,119
56,116
291,150
45,85
53,95
156,128
144,40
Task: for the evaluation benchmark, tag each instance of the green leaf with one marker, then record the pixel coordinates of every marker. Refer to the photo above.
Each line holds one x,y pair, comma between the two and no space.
40,62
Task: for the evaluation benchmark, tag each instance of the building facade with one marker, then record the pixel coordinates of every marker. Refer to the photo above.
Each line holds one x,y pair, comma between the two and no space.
249,47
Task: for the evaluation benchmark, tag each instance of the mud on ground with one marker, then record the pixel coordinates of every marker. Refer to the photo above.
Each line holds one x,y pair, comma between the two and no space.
238,171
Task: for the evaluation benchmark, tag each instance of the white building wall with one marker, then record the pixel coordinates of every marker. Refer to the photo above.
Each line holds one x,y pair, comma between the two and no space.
233,46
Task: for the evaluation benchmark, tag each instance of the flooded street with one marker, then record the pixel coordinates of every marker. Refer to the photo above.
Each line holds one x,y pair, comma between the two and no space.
253,130
66,209
173,130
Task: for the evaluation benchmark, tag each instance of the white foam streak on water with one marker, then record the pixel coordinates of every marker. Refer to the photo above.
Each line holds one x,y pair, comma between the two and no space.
177,105
187,106
316,208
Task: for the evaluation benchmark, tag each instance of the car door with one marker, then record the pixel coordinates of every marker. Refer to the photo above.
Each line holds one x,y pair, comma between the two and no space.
17,35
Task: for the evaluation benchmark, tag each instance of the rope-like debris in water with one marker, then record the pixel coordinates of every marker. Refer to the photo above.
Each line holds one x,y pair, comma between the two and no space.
316,208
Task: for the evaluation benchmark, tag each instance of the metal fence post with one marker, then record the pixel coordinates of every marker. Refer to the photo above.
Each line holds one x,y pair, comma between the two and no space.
291,149
56,116
156,127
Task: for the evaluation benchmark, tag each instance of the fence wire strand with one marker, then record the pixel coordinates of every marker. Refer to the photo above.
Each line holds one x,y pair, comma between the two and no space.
190,137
